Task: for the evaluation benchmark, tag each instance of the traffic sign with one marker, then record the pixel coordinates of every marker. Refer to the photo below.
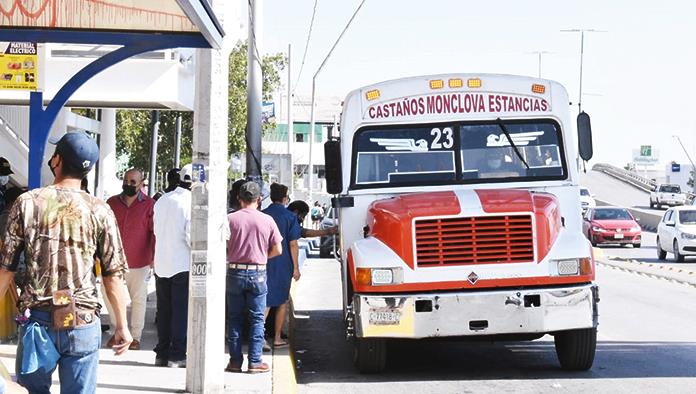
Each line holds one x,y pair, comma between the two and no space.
646,150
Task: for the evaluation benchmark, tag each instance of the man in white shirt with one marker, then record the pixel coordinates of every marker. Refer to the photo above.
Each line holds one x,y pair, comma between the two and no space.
172,225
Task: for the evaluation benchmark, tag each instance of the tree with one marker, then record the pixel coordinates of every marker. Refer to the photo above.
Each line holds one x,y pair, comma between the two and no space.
134,127
133,138
270,67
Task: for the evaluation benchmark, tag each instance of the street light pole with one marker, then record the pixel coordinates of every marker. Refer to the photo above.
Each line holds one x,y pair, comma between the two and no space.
582,52
314,88
693,167
539,53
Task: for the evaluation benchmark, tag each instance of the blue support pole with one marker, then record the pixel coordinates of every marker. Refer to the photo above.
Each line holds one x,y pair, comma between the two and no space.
41,120
37,138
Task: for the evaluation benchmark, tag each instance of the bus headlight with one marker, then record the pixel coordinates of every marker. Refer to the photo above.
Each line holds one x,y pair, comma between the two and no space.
568,267
581,266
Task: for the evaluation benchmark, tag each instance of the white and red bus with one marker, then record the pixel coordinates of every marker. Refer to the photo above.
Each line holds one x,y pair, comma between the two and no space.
459,213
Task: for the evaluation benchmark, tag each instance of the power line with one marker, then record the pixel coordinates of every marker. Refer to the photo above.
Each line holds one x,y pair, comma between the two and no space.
304,56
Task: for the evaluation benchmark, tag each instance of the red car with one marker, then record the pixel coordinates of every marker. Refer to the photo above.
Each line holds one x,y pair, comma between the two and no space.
611,225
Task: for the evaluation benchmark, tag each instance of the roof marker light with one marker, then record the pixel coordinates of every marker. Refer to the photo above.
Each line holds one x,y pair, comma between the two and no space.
456,83
372,94
437,84
474,82
536,88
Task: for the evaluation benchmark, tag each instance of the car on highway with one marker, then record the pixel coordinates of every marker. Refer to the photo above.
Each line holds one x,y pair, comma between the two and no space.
611,225
586,199
676,233
667,194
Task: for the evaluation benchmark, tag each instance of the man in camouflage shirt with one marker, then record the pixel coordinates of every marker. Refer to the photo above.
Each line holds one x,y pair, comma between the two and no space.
62,232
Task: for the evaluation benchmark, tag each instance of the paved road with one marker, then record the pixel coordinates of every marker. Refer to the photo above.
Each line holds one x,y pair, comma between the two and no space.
647,253
646,344
615,192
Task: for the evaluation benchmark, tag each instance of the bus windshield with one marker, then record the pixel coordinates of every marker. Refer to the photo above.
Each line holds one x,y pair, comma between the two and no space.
457,153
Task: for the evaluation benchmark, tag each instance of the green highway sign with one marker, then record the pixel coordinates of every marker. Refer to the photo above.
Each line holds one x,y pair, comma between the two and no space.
646,150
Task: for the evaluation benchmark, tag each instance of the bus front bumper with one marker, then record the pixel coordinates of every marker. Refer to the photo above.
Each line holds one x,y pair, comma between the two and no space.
494,312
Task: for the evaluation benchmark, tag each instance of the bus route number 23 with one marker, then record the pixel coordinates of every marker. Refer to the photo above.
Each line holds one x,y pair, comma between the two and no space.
443,138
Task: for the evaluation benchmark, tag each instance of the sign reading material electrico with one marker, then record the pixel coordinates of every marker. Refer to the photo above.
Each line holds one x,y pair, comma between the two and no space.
457,103
19,66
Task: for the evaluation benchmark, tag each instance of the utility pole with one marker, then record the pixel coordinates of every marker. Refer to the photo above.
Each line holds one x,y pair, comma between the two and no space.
291,135
206,303
314,89
254,92
582,51
155,122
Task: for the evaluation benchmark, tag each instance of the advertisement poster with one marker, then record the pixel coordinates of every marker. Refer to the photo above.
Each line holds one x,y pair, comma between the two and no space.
19,66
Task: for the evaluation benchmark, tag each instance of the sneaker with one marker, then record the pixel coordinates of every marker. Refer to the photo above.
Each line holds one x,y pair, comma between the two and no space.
233,367
160,362
258,368
177,364
135,345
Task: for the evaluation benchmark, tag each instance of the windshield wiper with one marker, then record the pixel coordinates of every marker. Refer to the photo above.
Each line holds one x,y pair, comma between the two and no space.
512,144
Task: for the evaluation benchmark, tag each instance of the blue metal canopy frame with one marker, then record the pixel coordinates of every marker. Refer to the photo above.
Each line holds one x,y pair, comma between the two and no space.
132,43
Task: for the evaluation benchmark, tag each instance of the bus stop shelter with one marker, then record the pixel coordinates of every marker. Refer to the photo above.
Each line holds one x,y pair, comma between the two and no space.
137,27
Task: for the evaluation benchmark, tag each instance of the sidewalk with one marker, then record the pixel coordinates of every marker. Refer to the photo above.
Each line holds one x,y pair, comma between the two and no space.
134,372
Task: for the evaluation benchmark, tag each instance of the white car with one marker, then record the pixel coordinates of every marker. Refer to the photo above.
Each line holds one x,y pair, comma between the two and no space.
676,233
586,199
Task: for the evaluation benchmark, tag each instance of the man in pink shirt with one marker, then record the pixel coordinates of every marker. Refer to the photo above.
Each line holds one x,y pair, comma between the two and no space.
254,238
134,211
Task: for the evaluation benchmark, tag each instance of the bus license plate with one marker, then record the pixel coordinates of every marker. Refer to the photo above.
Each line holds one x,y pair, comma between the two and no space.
618,236
382,317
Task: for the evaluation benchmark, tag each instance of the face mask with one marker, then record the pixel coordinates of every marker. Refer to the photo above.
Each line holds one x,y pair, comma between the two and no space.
4,180
129,190
494,163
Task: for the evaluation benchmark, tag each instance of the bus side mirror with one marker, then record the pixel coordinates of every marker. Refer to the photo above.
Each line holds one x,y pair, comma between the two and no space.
332,165
584,136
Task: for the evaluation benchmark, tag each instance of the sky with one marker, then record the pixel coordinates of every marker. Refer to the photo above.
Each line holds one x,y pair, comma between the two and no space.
639,75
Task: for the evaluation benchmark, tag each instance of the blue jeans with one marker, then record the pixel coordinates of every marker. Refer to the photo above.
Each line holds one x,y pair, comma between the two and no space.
79,358
246,289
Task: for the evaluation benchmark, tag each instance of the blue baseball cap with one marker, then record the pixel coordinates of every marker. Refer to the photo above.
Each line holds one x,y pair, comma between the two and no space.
77,149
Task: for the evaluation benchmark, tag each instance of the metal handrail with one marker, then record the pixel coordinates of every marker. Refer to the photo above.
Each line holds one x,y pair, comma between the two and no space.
631,178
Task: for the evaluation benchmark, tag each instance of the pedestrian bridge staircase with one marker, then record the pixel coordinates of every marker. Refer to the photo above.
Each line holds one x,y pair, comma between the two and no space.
14,140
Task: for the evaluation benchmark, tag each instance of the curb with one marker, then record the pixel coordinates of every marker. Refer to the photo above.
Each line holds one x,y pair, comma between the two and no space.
674,274
284,372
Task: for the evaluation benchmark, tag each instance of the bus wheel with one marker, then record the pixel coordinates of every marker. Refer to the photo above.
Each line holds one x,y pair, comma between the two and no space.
370,354
576,348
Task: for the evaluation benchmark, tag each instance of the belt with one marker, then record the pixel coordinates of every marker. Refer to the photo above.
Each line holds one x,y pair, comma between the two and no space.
83,316
250,267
